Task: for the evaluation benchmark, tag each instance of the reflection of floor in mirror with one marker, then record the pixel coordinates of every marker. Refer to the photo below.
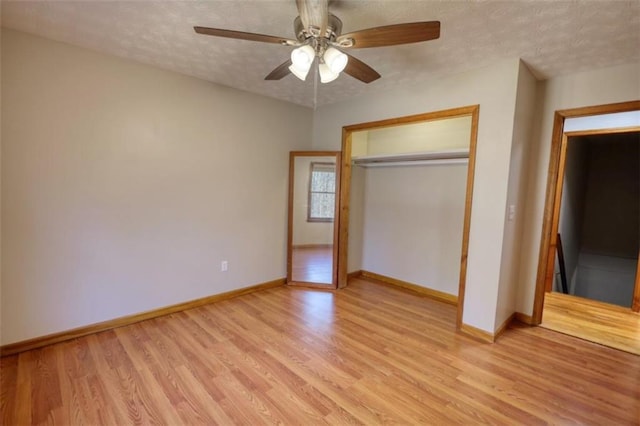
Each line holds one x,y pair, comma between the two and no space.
312,264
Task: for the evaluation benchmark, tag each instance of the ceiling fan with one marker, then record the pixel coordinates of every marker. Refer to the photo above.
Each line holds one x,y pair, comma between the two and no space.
319,36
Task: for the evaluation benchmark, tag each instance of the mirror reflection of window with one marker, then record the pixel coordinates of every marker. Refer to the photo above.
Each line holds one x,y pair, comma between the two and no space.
322,191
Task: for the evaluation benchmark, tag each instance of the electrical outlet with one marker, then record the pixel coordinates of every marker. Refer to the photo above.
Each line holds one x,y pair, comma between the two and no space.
224,266
512,212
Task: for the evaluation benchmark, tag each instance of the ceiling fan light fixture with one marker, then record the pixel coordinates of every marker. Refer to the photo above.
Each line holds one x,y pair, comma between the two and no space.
326,75
335,60
303,57
300,73
301,61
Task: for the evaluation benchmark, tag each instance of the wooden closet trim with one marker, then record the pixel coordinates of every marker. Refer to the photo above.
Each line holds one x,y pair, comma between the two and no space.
343,241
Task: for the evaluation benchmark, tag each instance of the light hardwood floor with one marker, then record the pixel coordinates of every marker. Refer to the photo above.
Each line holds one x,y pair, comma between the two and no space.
368,354
598,322
312,264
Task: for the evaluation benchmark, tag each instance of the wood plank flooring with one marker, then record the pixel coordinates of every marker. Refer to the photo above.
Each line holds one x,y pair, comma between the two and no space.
368,354
598,322
312,264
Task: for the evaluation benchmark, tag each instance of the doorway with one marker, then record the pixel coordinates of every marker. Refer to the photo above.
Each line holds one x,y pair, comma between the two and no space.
603,317
599,220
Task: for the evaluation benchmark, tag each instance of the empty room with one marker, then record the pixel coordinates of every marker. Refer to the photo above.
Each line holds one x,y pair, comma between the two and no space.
320,212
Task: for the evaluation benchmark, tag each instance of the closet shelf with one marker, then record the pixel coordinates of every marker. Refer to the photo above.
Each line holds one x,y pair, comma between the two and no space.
452,156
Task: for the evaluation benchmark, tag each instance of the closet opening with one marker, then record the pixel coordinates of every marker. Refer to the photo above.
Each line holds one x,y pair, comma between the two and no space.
405,203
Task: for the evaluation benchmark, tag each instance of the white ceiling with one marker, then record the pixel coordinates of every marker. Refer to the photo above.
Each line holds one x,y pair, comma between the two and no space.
552,37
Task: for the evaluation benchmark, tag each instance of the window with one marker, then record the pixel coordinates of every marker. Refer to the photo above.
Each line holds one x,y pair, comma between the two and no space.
322,192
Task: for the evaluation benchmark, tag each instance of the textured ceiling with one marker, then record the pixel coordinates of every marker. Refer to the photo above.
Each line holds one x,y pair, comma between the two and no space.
552,37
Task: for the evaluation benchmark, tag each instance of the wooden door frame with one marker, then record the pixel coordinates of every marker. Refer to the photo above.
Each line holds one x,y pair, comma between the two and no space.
345,191
554,191
336,218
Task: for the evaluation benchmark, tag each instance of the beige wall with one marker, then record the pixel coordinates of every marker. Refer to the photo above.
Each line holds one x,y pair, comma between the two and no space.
597,87
494,88
124,186
413,220
516,196
436,135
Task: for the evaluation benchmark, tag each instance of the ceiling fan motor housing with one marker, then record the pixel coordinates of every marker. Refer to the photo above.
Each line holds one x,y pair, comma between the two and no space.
334,29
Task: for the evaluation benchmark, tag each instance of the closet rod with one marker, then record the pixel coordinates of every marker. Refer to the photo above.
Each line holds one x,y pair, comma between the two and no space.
452,156
406,163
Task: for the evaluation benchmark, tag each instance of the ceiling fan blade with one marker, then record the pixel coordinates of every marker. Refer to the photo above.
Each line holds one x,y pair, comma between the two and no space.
217,32
358,69
280,71
391,35
314,13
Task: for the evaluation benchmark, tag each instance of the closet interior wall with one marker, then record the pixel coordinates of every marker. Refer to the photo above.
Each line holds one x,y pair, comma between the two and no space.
406,220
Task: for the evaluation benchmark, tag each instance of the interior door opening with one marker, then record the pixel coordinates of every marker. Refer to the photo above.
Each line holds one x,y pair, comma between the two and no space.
599,219
588,254
623,117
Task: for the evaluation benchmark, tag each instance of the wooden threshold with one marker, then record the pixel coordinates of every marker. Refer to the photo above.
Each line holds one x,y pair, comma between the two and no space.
609,325
62,336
